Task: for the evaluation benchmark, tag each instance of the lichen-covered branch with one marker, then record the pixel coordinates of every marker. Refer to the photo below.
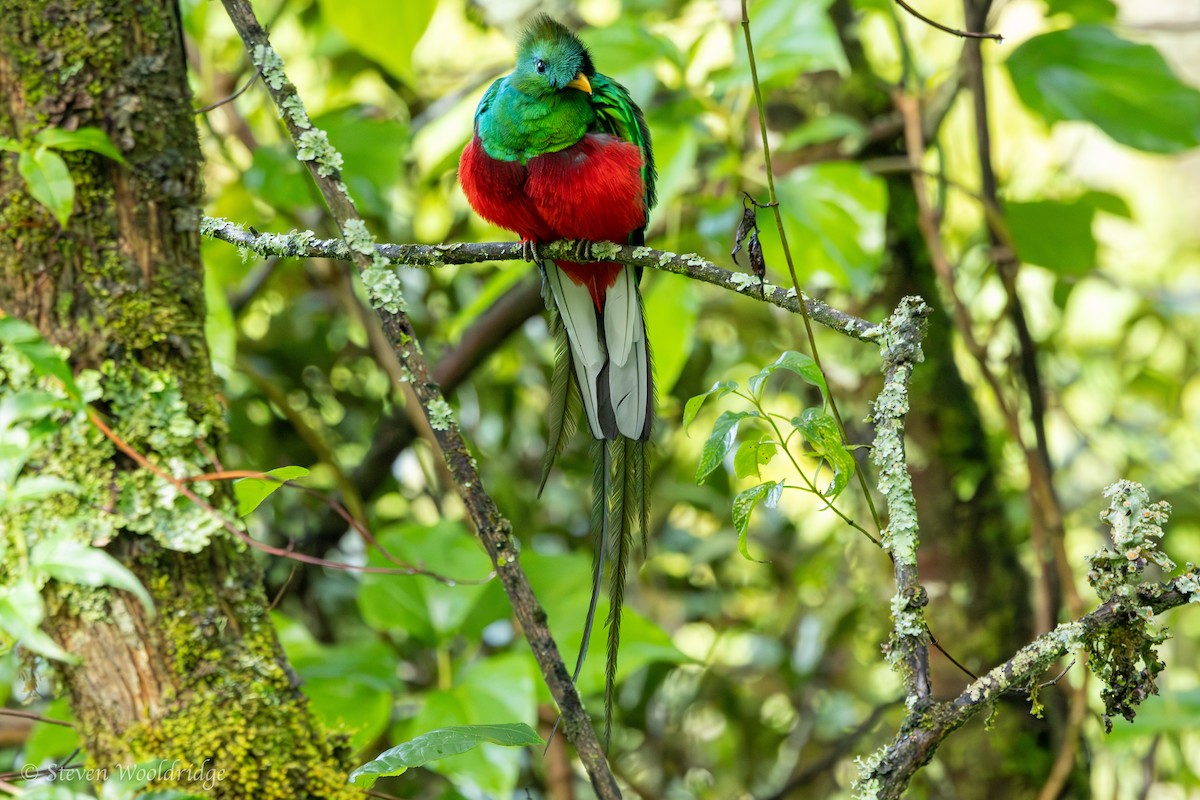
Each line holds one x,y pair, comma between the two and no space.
383,288
1119,637
900,347
305,244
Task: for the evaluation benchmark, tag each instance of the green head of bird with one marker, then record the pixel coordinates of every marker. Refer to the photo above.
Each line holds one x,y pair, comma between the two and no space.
551,59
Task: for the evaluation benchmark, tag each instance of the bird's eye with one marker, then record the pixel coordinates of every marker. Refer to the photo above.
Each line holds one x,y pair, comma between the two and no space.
540,66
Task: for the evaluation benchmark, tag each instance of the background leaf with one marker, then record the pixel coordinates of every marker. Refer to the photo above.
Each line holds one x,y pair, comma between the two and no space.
49,181
442,743
1088,73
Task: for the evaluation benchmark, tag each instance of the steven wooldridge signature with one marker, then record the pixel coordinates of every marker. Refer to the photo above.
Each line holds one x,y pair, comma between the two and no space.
203,775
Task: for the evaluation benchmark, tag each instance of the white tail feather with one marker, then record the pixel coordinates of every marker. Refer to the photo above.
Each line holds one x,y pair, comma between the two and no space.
578,314
628,370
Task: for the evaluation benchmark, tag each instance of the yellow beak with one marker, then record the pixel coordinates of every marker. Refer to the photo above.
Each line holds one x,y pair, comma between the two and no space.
581,83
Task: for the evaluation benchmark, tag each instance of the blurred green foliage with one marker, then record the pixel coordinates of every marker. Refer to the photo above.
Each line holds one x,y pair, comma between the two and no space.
738,678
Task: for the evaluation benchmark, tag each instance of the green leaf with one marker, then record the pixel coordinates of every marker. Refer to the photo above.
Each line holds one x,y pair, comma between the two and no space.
743,505
386,35
11,145
91,139
49,182
21,613
250,492
833,214
71,561
822,433
423,608
440,743
1083,10
499,687
41,355
692,408
720,442
1089,74
751,455
796,363
1053,234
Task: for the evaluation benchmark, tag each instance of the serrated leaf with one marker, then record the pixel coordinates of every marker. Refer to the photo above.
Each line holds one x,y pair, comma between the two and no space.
821,432
720,442
692,408
41,355
21,612
751,455
250,492
49,181
1087,73
743,506
91,139
796,363
441,743
71,561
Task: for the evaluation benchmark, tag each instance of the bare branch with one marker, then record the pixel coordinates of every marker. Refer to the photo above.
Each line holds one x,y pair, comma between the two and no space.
941,27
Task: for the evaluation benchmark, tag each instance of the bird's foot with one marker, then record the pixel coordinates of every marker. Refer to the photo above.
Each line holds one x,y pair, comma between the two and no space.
529,250
583,250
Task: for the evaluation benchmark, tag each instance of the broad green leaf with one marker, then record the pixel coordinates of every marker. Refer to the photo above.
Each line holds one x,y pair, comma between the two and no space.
70,561
250,492
499,688
387,35
822,433
1083,10
49,182
91,139
792,37
421,607
671,310
41,355
692,408
10,144
796,363
833,214
28,404
1053,234
720,442
1089,74
743,505
752,454
824,129
440,743
21,613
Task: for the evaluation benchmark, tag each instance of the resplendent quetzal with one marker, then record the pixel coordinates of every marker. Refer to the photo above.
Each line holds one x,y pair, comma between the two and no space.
562,152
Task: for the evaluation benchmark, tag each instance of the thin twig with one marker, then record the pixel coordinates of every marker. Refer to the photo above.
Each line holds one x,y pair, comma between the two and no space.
233,96
787,252
12,712
941,27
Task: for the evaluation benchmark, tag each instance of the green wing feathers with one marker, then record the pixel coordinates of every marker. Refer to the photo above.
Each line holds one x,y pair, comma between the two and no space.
619,115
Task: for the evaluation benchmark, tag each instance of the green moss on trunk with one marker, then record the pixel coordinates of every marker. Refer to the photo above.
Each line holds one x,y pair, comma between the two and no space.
203,680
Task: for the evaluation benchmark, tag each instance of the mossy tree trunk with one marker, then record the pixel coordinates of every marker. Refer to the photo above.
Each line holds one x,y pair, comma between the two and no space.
202,678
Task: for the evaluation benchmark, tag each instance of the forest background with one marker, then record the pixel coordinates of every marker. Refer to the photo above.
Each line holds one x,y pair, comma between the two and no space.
1062,355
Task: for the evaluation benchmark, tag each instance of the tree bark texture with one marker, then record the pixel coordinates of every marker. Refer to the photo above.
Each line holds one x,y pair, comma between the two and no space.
202,678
